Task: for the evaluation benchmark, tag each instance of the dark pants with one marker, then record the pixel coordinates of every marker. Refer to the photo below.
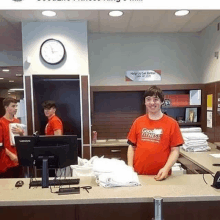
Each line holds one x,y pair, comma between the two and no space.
13,172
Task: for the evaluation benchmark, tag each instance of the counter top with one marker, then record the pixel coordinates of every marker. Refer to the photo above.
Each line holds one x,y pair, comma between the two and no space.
173,189
110,143
204,159
217,143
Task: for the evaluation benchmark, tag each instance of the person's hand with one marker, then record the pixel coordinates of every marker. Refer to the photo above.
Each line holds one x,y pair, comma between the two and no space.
162,174
12,156
17,130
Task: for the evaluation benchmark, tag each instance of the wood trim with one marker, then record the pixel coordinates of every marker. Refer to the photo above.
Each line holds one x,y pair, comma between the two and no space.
28,104
137,88
210,88
217,116
145,87
86,152
118,211
85,116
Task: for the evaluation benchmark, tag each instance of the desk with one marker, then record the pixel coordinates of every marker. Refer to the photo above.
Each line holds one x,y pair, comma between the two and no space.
185,197
204,159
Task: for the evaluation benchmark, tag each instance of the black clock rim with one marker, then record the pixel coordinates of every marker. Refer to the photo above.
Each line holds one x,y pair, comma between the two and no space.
43,57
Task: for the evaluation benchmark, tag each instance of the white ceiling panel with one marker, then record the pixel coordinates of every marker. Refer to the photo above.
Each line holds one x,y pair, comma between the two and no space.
133,21
91,16
200,20
82,15
144,21
172,23
110,24
60,16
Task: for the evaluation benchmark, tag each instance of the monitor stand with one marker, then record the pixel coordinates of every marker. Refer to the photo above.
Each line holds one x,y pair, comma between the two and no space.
45,174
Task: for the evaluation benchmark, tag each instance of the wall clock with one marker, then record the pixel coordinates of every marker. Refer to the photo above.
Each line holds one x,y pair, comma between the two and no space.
52,51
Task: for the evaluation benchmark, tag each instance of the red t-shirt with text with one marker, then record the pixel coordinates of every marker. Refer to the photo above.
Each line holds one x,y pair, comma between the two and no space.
5,161
153,140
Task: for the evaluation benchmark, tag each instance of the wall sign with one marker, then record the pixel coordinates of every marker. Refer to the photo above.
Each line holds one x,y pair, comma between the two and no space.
209,119
209,102
218,108
143,75
209,110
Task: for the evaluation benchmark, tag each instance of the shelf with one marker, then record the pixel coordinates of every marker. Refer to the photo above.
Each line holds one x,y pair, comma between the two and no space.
182,106
190,123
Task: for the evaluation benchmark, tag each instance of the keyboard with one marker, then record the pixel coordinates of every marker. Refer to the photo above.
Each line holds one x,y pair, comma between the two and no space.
56,182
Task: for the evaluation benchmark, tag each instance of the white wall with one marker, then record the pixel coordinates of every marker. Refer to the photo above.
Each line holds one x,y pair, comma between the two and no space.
176,55
11,58
210,43
72,34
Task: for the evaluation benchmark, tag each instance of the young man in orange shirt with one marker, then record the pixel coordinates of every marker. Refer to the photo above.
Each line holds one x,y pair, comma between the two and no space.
154,139
54,125
9,167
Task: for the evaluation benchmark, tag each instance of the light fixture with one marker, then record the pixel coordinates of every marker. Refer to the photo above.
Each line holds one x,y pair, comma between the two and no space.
9,93
18,74
15,90
49,13
115,13
182,12
5,70
11,81
1,78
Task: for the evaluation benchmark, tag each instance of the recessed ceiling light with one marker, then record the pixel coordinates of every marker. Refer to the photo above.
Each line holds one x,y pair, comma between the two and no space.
18,74
181,12
16,90
1,78
5,70
115,13
11,81
49,13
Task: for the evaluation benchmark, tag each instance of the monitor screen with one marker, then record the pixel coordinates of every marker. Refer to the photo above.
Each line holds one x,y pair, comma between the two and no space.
61,151
47,151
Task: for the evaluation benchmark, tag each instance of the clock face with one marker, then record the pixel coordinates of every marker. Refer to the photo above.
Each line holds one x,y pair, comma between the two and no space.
52,51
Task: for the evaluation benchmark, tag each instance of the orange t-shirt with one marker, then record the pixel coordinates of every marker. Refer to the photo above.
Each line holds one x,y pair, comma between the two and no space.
5,161
54,123
153,140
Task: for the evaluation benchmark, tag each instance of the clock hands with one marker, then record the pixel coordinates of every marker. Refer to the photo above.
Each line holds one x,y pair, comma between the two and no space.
52,51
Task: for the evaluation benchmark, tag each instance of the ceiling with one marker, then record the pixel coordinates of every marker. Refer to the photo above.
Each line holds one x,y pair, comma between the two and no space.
133,21
11,76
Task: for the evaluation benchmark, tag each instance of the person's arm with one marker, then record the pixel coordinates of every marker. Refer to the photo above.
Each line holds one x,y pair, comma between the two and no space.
11,155
58,132
1,138
163,173
130,155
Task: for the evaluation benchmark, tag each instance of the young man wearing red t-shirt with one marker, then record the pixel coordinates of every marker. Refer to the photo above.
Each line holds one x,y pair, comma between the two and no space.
154,139
54,125
9,167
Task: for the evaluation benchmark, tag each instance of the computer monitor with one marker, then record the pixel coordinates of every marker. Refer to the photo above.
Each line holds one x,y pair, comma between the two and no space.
47,152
